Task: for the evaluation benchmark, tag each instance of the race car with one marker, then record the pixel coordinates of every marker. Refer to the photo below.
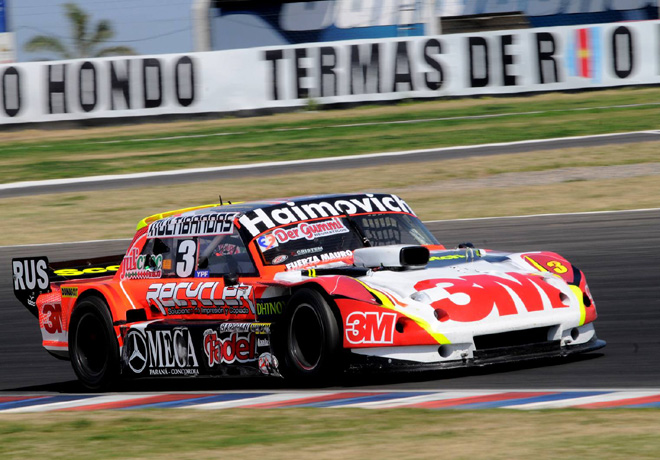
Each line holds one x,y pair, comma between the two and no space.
303,288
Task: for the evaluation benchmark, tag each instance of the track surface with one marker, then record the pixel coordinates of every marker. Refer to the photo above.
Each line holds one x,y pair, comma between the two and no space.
619,252
326,164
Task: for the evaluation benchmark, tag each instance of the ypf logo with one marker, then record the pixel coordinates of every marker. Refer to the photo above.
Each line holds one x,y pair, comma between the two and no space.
370,328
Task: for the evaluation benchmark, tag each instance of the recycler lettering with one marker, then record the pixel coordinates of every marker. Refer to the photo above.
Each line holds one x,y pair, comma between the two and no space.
210,298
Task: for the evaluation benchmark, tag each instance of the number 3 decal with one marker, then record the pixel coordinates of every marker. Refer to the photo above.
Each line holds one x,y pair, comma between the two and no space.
185,258
557,267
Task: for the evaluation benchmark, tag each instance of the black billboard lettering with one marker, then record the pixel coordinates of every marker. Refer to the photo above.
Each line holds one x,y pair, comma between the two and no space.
87,88
152,79
184,81
327,64
545,48
301,72
11,91
623,53
57,88
402,69
366,70
434,79
507,60
120,85
478,62
274,56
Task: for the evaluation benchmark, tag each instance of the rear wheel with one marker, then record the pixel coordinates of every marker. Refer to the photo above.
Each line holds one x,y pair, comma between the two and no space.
93,347
312,337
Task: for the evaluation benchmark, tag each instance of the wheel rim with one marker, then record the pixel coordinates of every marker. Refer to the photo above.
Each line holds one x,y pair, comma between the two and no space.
306,333
91,346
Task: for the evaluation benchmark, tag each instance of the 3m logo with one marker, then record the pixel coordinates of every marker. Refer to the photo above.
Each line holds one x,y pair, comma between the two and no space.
370,328
474,298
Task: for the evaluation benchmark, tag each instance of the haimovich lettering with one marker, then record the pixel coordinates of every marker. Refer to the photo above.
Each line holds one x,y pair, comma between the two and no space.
261,220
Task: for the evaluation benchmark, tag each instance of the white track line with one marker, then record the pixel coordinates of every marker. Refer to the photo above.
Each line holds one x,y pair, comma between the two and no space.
179,172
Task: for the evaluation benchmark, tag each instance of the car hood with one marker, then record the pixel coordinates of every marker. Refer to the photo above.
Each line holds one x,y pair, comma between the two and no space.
468,289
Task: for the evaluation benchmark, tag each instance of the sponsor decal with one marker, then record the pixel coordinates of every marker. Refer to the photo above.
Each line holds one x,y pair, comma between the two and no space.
69,292
275,307
142,266
198,225
30,274
51,318
258,328
67,272
371,328
207,297
234,349
313,260
267,242
279,259
167,352
310,231
202,274
473,298
268,364
302,252
260,220
447,257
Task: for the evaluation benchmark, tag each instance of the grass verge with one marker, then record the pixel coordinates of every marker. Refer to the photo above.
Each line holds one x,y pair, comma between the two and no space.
39,154
571,180
331,434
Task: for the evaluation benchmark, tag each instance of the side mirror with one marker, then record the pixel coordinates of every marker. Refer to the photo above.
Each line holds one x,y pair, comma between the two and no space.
230,279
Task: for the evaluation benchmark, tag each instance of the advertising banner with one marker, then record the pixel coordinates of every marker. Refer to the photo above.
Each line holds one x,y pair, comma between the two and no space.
503,62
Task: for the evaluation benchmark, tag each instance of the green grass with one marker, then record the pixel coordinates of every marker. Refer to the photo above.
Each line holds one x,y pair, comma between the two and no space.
281,137
333,433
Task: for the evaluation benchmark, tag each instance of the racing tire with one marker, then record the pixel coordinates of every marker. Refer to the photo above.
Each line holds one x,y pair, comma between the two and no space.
93,348
312,339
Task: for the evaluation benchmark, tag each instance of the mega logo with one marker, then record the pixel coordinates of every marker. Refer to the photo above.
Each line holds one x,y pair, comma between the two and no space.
209,297
233,349
370,328
473,298
310,231
142,266
162,352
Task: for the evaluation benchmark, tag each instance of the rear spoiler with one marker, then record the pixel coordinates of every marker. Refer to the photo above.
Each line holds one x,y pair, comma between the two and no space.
33,276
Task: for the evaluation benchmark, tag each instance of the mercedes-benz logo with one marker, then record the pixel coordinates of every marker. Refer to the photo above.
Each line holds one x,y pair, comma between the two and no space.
137,358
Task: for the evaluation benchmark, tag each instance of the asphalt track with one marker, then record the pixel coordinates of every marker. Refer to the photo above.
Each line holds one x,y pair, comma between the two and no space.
619,252
326,164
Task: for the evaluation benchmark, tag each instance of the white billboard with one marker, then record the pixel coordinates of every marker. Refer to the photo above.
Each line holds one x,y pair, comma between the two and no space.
503,62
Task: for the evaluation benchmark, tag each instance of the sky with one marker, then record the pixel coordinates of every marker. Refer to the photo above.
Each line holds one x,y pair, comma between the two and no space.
148,26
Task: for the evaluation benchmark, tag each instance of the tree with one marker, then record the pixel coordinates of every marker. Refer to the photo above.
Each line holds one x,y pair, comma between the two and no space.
85,44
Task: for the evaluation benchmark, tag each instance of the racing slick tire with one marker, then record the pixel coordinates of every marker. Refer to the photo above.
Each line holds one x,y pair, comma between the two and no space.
312,338
93,348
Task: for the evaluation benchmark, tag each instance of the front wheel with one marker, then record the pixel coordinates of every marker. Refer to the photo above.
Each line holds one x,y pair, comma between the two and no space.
93,347
312,337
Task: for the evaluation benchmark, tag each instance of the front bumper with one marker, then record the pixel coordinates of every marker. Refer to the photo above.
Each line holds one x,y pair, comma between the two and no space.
502,355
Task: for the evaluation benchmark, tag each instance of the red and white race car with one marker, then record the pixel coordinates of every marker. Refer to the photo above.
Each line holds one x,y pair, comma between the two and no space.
302,287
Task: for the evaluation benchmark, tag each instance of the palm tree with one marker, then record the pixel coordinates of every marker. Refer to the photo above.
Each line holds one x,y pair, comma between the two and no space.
85,44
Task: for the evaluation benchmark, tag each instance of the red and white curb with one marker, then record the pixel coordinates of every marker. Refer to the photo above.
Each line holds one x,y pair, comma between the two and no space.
423,399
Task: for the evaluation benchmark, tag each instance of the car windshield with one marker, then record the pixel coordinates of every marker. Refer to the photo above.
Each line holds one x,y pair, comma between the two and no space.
334,239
